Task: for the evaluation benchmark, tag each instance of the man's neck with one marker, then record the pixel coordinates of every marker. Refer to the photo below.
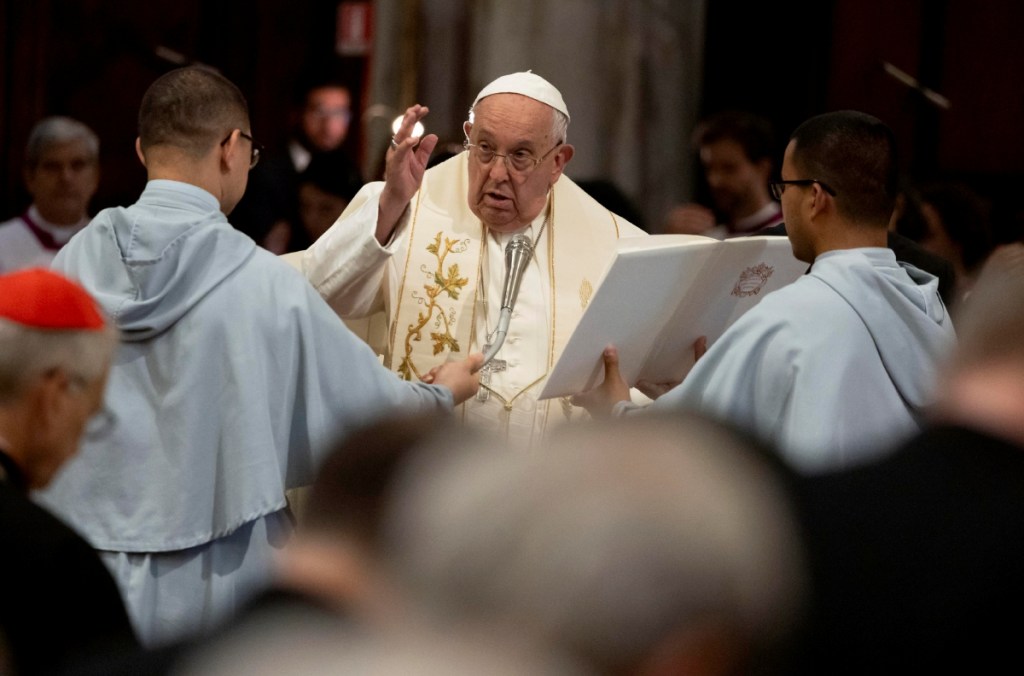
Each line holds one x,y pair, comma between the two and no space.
183,174
846,235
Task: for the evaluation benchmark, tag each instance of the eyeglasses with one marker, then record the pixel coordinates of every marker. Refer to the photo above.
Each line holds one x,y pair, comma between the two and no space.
779,187
519,162
257,148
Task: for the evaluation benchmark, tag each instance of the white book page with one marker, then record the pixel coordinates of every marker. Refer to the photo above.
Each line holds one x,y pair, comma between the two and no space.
659,294
744,271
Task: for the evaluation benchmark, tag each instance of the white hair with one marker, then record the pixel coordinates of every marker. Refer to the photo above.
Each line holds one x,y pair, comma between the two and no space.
53,130
559,123
609,541
28,353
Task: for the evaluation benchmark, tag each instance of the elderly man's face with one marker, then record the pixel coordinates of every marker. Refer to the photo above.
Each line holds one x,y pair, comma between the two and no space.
63,182
509,201
72,403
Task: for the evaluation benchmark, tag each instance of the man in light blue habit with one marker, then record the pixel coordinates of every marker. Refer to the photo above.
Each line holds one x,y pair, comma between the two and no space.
232,377
836,367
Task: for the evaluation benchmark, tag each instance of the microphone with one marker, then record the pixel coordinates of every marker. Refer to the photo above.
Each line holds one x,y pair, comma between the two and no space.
518,253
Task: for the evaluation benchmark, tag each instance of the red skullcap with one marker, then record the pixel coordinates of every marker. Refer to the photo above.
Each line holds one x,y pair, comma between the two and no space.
41,299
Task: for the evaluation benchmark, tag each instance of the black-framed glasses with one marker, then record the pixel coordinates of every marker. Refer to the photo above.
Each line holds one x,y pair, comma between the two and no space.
257,148
520,161
779,187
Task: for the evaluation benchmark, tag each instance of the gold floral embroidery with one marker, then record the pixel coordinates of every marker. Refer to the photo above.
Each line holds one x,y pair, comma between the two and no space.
586,291
441,282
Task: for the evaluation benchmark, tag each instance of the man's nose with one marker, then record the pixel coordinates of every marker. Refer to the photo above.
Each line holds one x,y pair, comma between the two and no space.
499,170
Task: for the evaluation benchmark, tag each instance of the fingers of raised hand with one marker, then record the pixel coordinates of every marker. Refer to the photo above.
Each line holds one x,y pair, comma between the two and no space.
403,137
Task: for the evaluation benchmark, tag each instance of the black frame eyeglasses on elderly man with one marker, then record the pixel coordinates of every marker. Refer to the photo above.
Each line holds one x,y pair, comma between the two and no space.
779,187
257,148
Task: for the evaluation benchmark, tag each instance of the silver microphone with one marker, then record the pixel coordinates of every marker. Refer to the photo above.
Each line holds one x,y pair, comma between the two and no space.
518,253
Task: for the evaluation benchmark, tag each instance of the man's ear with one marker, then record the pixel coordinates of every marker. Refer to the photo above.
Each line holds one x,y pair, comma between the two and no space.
138,150
467,127
229,149
562,157
820,199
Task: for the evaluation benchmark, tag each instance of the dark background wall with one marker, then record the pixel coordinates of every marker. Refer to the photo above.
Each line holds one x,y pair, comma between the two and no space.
93,59
791,60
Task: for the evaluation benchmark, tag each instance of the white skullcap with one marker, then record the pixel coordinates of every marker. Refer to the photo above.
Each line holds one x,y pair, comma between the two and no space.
527,84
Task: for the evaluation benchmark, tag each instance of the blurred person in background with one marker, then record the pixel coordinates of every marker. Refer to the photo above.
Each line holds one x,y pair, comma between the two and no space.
61,174
270,211
951,221
660,546
325,189
735,150
60,607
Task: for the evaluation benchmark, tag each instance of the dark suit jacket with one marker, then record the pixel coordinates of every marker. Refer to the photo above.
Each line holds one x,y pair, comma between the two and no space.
58,603
918,560
908,251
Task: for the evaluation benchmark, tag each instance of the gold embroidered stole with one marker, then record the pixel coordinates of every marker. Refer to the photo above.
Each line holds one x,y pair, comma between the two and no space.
434,306
434,312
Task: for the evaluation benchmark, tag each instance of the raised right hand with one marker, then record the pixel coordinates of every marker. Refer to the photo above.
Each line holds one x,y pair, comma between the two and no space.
403,173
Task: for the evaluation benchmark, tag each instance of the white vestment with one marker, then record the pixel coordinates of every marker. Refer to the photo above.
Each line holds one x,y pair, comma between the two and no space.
20,247
358,277
833,368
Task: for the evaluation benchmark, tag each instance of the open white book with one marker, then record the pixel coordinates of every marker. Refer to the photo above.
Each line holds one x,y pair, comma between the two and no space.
659,295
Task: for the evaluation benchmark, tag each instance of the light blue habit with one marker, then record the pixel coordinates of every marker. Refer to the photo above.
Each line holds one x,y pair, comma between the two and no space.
833,368
232,379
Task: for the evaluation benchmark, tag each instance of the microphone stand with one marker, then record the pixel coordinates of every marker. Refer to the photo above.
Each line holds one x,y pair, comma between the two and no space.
518,253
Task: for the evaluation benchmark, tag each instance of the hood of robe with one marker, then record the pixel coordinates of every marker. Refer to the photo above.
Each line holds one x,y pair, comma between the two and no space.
922,333
120,261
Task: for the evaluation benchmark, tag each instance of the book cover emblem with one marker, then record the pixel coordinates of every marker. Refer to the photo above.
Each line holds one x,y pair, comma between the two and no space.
752,280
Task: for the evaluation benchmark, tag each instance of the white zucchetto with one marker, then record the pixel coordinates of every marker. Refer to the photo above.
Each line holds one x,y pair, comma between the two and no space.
526,84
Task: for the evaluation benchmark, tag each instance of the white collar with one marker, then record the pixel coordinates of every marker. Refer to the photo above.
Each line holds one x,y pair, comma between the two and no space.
60,233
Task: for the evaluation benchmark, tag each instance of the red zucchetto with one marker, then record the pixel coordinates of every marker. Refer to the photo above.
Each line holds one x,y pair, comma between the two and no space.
41,299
